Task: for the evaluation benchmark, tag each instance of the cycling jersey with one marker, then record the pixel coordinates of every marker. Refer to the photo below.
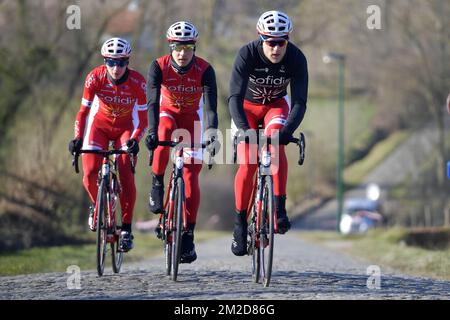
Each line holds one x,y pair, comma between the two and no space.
258,91
256,79
181,92
174,98
113,105
111,110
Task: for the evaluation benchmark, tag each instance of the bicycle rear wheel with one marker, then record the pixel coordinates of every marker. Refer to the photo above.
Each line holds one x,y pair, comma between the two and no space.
266,235
102,228
178,226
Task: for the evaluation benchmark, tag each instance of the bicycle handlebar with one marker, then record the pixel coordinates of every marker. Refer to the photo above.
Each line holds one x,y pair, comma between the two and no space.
104,153
300,142
180,144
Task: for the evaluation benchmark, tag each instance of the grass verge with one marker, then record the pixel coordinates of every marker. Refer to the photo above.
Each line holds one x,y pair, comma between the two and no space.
57,259
388,248
355,173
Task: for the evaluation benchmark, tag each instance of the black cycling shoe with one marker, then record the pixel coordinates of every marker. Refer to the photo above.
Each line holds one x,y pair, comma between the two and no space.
126,241
283,222
155,203
188,254
239,242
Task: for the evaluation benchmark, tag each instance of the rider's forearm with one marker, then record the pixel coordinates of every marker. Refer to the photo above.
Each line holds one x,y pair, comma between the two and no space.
295,117
80,122
238,87
299,95
236,106
140,130
153,118
210,97
154,81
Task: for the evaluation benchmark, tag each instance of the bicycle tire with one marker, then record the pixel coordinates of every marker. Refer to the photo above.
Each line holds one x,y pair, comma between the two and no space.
254,250
116,254
266,235
102,228
167,244
178,226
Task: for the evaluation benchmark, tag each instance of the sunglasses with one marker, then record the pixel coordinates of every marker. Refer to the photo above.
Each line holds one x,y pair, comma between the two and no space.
274,43
178,47
114,62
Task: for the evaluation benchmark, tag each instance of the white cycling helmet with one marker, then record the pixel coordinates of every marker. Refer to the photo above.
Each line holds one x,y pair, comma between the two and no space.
182,31
116,48
274,23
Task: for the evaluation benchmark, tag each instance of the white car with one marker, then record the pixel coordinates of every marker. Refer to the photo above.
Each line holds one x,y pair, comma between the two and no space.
360,214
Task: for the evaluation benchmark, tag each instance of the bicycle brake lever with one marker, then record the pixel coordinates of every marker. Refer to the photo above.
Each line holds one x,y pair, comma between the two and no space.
302,147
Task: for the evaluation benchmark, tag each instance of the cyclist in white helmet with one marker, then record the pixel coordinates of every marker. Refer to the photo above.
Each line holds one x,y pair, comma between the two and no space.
178,83
113,108
262,71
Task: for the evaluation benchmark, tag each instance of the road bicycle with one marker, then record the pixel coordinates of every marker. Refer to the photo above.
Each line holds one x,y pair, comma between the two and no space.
263,217
173,219
107,207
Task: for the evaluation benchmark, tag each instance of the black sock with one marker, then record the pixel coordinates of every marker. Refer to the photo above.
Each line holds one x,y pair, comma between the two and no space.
126,227
240,217
280,206
158,179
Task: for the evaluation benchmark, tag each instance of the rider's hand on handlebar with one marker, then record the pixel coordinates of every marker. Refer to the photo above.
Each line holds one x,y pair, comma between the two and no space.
151,141
284,137
212,141
133,146
75,145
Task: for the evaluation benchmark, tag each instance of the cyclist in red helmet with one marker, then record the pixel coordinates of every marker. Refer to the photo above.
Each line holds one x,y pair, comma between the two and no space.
113,108
262,71
178,85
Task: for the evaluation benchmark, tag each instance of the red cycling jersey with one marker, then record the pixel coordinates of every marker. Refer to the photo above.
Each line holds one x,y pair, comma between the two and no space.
181,93
111,112
181,108
115,106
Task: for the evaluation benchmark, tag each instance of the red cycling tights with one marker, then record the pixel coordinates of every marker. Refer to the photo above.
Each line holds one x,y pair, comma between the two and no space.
92,164
273,117
188,126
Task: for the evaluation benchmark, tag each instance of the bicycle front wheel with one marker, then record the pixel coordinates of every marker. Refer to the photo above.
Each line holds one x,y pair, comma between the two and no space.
254,250
266,235
167,244
178,226
102,228
116,254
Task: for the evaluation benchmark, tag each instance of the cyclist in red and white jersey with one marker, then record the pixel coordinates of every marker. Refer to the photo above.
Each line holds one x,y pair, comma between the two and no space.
180,84
113,108
262,71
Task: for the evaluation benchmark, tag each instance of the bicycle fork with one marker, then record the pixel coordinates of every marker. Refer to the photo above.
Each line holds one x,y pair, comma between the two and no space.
264,170
178,173
111,199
